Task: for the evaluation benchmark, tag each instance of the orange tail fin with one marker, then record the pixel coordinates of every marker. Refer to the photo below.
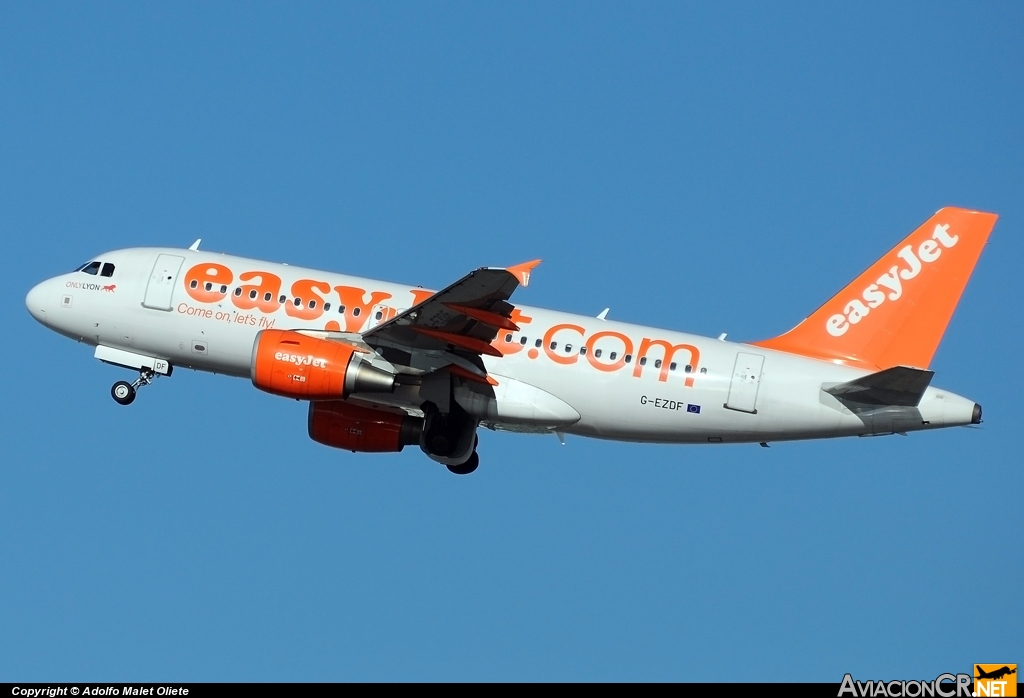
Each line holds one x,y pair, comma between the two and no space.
894,313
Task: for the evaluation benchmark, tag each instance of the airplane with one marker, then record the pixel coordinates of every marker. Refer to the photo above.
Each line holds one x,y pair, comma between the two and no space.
385,365
995,674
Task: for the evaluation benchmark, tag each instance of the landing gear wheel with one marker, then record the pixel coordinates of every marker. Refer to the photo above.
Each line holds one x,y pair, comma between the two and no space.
123,393
467,467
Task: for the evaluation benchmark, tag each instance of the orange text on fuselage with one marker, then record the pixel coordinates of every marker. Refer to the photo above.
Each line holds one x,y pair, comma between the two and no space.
311,299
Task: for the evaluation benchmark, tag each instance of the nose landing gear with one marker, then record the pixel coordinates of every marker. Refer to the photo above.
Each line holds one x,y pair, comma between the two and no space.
124,392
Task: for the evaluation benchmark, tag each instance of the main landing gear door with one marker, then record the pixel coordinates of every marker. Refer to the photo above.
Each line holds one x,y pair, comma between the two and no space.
746,379
161,282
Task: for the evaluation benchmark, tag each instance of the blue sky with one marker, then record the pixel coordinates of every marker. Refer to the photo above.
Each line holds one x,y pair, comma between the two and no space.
708,168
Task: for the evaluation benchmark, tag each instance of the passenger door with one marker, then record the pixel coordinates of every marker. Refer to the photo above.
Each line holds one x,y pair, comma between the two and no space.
162,281
746,379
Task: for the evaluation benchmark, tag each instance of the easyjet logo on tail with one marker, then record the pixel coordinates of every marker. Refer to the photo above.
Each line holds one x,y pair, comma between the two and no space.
910,295
889,286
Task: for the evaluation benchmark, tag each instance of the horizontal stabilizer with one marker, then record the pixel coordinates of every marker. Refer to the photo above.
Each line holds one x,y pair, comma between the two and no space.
899,385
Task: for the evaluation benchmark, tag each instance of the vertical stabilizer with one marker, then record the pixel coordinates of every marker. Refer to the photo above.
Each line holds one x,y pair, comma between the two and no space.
894,314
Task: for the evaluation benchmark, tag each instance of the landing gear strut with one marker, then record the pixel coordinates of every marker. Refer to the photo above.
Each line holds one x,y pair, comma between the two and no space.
124,392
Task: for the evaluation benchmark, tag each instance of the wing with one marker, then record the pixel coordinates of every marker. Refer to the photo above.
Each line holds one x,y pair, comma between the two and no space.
453,327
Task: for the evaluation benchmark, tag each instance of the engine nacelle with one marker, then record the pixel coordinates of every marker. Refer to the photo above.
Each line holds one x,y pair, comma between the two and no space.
354,428
295,365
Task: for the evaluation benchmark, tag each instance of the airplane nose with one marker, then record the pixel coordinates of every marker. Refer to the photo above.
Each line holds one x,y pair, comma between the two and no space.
35,301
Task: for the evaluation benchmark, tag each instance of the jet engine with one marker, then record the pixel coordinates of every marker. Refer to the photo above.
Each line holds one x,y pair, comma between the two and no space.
355,428
295,365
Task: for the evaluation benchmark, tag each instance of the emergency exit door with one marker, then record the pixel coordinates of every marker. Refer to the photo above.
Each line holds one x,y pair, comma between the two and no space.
746,379
161,282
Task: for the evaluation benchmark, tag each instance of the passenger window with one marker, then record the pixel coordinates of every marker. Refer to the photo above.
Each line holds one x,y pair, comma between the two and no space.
208,286
327,306
355,312
341,309
672,366
613,355
267,296
597,353
629,357
508,338
312,304
583,351
379,315
522,340
554,345
657,363
238,291
703,370
108,269
298,301
252,294
568,348
91,268
223,288
282,299
643,360
537,344
193,284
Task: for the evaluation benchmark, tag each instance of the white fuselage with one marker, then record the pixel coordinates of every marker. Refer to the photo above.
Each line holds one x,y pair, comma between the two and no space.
708,390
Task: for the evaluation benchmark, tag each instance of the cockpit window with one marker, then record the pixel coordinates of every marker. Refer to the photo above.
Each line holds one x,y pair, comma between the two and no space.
108,269
91,268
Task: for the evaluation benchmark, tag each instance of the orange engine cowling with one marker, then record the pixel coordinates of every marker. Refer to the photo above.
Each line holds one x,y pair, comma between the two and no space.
295,365
341,425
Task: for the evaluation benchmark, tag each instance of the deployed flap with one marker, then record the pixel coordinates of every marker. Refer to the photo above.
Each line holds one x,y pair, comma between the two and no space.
463,319
899,386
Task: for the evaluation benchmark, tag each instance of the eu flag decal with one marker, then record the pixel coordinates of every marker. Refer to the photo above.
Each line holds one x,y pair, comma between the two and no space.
693,409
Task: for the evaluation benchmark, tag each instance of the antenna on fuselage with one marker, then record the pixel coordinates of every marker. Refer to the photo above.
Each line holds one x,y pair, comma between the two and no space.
603,314
195,245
